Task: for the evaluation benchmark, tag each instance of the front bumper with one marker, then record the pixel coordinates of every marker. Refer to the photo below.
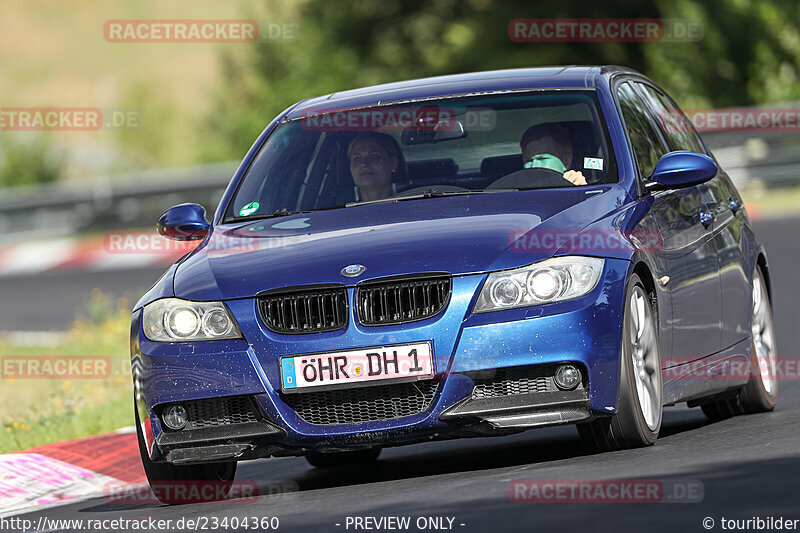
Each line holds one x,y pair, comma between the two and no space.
524,411
584,331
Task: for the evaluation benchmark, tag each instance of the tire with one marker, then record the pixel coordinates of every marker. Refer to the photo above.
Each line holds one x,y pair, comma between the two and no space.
633,425
331,460
761,392
174,485
717,410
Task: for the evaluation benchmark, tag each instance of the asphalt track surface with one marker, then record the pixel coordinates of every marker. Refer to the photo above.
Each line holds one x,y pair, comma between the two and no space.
748,466
51,301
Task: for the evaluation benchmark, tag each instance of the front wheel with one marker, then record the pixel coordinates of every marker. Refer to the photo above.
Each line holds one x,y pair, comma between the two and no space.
638,419
185,484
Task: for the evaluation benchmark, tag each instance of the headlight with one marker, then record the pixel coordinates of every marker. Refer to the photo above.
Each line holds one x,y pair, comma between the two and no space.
173,319
560,278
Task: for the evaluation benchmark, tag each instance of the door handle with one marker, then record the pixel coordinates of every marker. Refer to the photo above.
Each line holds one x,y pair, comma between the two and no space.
705,218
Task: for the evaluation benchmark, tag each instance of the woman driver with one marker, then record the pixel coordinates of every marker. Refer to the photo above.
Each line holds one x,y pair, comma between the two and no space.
374,160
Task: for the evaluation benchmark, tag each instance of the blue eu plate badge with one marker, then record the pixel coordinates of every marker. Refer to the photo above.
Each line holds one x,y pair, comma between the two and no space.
287,373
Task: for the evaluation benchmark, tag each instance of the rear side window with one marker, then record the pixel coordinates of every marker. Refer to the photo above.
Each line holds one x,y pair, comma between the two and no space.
643,129
674,125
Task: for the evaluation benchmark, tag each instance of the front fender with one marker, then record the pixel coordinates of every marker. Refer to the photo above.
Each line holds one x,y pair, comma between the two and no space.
164,287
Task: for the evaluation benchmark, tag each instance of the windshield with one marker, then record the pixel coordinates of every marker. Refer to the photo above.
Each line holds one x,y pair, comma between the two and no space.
461,145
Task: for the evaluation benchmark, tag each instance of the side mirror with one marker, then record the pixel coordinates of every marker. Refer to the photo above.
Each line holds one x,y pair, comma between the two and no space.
184,222
676,170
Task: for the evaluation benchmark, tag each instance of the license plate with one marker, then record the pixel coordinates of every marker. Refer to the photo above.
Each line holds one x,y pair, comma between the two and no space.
402,362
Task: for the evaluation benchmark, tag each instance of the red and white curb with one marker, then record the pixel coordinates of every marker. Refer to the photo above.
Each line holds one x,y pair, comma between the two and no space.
120,252
68,472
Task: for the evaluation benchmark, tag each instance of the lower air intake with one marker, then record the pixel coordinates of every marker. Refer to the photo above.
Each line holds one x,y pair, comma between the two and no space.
220,412
363,404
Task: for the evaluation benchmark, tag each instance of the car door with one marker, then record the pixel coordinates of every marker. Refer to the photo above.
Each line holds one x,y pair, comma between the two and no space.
688,254
725,207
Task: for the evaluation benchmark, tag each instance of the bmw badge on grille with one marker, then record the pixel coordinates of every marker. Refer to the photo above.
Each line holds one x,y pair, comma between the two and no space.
352,271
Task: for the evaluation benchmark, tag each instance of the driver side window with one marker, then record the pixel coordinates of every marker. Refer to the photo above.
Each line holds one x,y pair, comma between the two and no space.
648,146
673,124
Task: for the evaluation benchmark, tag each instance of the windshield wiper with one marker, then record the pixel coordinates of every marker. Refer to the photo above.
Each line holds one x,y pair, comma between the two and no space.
279,213
430,193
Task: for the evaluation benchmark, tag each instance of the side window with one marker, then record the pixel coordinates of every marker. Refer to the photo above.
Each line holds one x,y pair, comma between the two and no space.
687,124
643,132
730,190
674,125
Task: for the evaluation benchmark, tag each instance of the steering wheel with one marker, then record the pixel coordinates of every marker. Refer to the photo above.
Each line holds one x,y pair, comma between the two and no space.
531,178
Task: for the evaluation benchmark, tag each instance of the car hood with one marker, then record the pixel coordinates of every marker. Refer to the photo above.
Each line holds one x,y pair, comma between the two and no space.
457,235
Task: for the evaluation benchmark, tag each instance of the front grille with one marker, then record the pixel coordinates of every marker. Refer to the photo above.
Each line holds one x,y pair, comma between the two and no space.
219,412
514,380
363,404
308,310
397,301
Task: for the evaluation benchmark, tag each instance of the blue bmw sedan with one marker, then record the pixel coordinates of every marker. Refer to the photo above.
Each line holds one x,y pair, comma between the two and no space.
467,255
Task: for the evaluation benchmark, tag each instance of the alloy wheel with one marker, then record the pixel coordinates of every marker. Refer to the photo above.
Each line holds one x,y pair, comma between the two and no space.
763,336
646,360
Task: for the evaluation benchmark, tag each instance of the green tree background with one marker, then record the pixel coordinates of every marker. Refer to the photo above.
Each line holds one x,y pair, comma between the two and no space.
750,53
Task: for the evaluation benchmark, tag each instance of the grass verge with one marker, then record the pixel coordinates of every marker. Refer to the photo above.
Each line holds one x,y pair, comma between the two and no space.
35,410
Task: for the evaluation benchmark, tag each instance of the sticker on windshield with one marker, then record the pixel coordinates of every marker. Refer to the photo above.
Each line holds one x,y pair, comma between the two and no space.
593,163
249,209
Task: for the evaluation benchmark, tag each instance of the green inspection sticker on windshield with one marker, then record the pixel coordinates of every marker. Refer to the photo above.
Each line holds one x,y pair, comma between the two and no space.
249,209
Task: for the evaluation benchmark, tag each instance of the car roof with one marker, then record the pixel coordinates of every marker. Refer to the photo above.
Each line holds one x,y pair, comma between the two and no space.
566,77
